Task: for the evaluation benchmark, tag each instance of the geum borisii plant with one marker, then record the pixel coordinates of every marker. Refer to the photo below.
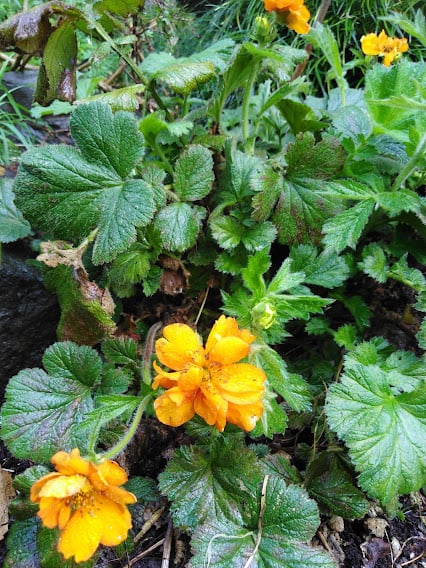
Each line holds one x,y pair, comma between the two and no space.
282,204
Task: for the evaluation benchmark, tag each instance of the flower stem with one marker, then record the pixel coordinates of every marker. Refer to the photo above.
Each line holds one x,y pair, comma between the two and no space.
119,446
408,169
249,146
149,346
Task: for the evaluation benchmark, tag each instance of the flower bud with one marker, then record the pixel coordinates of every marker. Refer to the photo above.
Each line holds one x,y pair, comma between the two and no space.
263,30
263,315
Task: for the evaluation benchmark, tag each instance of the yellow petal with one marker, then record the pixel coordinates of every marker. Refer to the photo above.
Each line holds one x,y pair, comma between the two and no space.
229,350
211,406
116,521
223,327
174,408
370,45
81,535
298,20
71,463
389,57
179,347
64,515
38,485
50,508
191,379
240,383
164,379
112,473
244,416
63,486
119,495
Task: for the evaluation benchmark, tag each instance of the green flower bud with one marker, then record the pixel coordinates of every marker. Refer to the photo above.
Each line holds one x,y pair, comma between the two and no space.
263,30
263,315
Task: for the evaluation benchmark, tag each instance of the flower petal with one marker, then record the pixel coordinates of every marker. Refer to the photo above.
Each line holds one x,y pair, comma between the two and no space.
244,416
81,535
71,463
191,379
211,406
298,20
116,521
49,511
119,495
109,472
164,379
63,486
179,347
174,407
38,485
370,44
240,383
229,350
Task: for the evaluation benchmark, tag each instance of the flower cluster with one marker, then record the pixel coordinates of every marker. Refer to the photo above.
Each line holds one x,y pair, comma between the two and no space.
384,46
208,381
292,13
85,502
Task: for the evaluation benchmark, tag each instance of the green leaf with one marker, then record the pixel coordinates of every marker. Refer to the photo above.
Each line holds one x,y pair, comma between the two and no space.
374,262
384,431
107,139
209,485
382,84
120,7
273,419
252,275
86,309
394,202
120,350
25,480
21,544
13,226
144,488
273,536
77,362
116,381
317,160
126,98
42,411
293,388
325,269
331,485
179,225
57,74
345,229
194,177
129,267
412,277
285,279
346,336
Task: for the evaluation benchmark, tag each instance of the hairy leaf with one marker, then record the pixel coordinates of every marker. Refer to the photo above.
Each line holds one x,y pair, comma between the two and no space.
13,226
384,431
179,225
194,173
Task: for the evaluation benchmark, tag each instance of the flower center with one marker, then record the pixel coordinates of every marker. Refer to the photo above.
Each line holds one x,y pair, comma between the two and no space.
83,500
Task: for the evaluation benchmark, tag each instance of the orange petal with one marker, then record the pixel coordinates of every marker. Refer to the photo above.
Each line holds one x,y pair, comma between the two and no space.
50,508
223,327
244,416
63,486
111,473
116,521
81,535
191,379
179,347
298,20
164,379
119,495
240,383
38,485
211,406
174,408
71,463
64,515
389,57
229,350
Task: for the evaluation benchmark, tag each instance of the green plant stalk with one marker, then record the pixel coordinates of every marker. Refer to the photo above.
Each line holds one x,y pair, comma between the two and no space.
149,346
248,145
119,446
104,34
408,169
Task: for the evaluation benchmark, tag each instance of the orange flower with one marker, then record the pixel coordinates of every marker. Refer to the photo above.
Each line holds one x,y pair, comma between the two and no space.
384,46
83,499
293,13
208,381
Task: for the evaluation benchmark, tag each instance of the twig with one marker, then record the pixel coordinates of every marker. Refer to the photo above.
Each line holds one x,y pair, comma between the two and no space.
148,524
403,546
320,18
144,553
413,559
259,522
165,562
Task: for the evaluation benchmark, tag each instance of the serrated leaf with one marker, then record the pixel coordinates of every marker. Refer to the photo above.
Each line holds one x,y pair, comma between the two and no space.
374,262
129,267
252,275
126,98
308,159
208,487
268,187
77,362
289,519
120,350
13,226
292,387
42,411
119,7
179,225
69,192
345,229
384,431
194,177
412,277
21,544
115,381
394,202
144,488
325,269
421,334
331,485
285,279
227,231
182,75
273,420
25,480
346,336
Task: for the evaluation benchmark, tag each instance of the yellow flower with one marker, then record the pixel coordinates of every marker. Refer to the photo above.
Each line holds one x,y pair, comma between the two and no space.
384,46
85,502
293,13
208,381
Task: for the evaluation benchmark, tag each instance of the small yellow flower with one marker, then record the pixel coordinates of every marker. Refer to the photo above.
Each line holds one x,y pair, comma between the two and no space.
292,13
208,381
384,46
85,502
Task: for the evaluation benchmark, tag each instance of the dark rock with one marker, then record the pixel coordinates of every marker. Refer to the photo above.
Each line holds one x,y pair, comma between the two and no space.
29,315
